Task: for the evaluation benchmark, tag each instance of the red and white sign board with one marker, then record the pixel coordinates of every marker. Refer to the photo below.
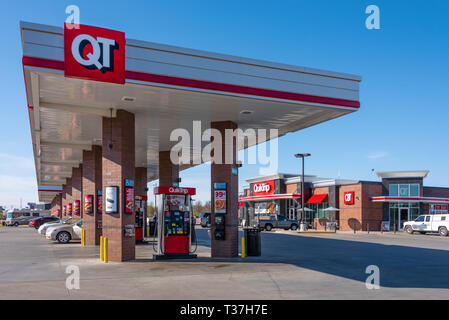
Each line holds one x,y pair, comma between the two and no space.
129,200
174,190
263,188
220,201
94,53
349,197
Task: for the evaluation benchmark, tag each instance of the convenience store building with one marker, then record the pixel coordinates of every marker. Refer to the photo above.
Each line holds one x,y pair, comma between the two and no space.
399,196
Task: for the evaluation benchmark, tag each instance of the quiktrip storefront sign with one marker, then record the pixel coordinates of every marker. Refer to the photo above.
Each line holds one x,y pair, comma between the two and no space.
94,53
263,188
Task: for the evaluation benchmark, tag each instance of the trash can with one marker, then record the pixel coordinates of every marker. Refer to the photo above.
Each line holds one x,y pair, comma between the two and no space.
252,241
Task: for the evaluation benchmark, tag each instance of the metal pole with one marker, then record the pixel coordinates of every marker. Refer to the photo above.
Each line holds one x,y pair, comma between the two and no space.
302,196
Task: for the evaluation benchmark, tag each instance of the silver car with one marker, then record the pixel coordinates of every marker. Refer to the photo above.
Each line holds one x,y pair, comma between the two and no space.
63,233
43,228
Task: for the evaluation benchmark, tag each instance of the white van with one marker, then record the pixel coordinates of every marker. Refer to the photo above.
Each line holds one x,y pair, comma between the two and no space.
429,223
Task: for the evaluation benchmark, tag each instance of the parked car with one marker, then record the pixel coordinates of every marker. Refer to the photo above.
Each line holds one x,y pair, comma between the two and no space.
429,223
43,228
63,233
205,220
278,222
37,222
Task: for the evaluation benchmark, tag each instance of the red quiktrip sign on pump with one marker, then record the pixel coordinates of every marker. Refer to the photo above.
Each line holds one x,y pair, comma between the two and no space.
263,188
93,53
175,190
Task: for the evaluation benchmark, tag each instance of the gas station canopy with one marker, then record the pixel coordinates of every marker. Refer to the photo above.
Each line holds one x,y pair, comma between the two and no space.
166,87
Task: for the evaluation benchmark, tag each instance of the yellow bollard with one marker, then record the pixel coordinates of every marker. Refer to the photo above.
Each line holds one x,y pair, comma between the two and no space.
83,237
101,248
105,255
243,247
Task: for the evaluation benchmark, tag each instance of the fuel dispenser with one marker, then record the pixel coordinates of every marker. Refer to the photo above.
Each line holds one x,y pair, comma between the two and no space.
140,205
174,223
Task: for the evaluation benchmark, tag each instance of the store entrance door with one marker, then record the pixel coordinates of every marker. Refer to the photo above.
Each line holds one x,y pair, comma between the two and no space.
403,216
292,214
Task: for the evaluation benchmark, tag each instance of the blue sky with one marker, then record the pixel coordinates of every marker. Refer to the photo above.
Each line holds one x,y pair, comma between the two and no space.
402,123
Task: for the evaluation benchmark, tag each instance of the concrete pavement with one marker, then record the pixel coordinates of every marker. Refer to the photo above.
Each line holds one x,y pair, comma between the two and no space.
293,266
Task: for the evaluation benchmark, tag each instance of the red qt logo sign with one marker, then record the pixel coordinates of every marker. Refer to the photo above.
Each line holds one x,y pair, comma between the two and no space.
349,197
93,53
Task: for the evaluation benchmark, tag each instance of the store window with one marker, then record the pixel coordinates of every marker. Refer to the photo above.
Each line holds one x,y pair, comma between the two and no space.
291,213
438,208
394,190
267,209
404,190
318,211
414,190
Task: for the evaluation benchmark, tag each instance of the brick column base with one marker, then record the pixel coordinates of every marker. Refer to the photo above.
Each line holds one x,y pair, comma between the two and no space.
118,164
227,248
91,185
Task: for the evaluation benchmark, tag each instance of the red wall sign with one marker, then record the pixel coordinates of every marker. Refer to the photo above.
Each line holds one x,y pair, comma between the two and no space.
263,188
64,210
93,53
220,201
99,202
349,197
76,207
89,204
69,209
129,200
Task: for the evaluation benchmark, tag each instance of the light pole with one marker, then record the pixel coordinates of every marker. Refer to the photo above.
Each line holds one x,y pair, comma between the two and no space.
302,156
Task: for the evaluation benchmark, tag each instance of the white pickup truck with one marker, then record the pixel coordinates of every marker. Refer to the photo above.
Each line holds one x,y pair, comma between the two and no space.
429,223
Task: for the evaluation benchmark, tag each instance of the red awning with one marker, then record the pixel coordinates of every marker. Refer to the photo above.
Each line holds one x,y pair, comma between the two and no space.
317,198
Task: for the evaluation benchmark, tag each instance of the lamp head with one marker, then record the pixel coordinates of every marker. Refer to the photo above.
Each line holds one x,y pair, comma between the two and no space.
302,155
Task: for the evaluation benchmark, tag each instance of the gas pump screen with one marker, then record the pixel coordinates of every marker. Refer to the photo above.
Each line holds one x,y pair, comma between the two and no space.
176,223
